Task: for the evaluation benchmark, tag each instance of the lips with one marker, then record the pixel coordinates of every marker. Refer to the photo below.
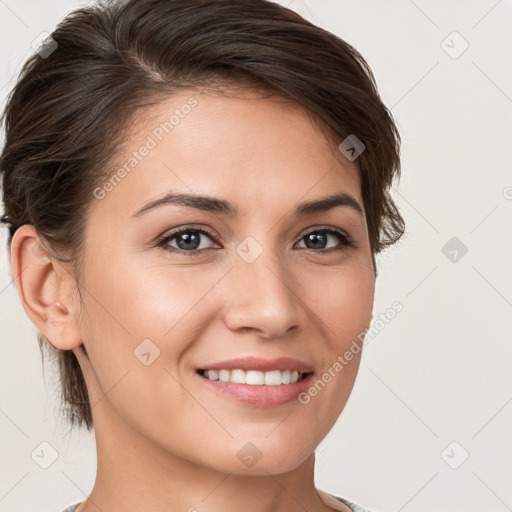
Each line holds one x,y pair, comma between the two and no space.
262,365
257,395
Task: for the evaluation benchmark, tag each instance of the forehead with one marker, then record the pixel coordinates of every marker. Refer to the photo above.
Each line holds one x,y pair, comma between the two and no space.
252,148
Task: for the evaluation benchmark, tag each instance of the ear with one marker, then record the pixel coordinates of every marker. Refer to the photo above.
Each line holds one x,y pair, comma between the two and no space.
41,282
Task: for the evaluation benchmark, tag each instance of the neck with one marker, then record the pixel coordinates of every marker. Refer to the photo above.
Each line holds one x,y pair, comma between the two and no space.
137,475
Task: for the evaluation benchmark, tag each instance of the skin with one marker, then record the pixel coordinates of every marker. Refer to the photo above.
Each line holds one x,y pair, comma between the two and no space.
165,441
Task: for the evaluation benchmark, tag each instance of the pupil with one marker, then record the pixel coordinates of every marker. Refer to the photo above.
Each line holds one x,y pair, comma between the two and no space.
314,237
189,238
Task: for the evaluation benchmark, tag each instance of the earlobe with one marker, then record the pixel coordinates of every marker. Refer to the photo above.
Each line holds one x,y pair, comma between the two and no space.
39,281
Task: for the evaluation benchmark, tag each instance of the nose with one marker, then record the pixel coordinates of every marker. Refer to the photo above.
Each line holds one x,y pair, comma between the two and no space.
265,297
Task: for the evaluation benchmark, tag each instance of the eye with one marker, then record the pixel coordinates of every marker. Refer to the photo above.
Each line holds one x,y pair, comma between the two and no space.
318,239
188,240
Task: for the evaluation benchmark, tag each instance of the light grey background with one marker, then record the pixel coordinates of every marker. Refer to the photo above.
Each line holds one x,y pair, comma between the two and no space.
435,383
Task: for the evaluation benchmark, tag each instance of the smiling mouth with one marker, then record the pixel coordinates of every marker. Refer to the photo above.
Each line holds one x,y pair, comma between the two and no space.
254,377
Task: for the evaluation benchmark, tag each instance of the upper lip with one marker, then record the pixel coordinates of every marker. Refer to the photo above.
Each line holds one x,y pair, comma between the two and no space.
262,365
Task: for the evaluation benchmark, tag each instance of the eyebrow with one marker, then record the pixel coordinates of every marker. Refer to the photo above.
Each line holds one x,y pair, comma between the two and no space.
223,207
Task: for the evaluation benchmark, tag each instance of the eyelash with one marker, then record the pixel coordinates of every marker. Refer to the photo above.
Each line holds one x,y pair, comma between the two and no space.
345,240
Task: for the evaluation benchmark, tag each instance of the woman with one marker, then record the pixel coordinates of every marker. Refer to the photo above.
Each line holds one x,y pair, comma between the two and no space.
196,192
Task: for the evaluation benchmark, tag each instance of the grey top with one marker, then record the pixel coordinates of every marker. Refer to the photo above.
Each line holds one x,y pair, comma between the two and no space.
71,508
353,506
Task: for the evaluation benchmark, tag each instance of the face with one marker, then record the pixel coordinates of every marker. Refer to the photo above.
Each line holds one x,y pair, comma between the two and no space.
176,288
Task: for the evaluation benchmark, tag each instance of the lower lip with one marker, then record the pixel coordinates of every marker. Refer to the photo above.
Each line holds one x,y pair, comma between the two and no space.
259,395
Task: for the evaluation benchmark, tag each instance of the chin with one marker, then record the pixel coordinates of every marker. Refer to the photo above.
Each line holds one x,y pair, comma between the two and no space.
260,456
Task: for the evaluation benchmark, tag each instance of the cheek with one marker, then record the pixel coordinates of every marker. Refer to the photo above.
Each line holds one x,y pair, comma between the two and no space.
343,301
141,323
165,303
149,300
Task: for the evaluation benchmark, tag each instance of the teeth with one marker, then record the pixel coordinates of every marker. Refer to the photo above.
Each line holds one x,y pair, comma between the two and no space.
253,377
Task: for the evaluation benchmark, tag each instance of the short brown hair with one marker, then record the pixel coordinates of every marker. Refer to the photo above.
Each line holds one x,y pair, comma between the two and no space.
64,116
